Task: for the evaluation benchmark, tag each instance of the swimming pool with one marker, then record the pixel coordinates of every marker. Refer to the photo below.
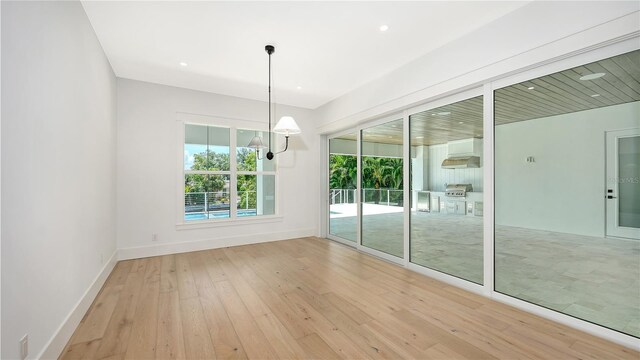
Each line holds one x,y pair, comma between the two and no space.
218,214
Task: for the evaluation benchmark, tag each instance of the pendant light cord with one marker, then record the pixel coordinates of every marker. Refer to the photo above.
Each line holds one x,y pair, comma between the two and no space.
269,102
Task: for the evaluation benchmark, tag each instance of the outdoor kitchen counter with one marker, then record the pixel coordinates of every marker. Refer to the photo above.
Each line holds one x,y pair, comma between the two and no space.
470,196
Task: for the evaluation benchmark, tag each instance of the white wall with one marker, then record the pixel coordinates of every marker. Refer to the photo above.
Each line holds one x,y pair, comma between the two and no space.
530,35
563,190
439,176
58,167
147,171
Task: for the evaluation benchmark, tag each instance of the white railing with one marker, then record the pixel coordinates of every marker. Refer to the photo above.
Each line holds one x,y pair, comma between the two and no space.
388,197
342,196
201,202
244,197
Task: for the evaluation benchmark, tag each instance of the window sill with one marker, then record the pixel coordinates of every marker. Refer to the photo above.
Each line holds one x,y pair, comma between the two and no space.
203,224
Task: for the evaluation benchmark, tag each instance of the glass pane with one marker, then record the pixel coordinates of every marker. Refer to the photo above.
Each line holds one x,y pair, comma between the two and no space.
446,229
206,148
256,195
246,157
629,175
343,171
206,197
551,248
382,193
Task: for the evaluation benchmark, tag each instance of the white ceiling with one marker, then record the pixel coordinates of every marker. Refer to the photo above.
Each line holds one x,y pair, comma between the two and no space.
326,48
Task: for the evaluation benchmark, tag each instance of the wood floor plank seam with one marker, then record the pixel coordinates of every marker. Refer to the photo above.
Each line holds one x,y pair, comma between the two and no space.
308,298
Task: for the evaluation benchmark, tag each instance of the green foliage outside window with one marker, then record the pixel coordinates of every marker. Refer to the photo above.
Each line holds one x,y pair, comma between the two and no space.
247,184
377,173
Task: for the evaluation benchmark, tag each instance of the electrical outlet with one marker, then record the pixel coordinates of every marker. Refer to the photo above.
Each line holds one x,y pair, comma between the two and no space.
154,237
24,347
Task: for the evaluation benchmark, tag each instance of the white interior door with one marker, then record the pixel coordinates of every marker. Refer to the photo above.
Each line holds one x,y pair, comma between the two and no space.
623,183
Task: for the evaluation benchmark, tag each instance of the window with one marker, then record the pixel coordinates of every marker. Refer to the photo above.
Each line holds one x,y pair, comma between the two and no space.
218,174
256,178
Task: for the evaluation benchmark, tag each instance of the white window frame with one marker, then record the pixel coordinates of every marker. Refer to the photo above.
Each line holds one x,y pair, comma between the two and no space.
233,125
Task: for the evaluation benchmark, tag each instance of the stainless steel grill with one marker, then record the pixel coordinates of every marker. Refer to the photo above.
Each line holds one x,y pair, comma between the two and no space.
457,190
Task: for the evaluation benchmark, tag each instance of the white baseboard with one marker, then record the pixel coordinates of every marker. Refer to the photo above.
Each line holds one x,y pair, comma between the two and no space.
187,246
60,338
574,322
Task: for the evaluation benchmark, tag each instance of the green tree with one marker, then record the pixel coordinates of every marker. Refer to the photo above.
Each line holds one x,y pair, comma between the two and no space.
343,171
394,178
247,190
246,159
212,161
376,172
395,172
247,184
209,161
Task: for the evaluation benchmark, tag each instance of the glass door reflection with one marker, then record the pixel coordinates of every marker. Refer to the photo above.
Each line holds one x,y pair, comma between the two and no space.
623,186
343,173
447,189
382,188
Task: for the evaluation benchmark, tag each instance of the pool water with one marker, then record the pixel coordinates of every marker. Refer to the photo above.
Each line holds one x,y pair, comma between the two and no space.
218,215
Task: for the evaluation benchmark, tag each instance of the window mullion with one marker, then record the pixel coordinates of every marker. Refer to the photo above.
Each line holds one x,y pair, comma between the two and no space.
233,180
255,172
206,172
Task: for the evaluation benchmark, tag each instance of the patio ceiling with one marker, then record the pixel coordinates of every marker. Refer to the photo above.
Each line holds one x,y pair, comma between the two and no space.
554,94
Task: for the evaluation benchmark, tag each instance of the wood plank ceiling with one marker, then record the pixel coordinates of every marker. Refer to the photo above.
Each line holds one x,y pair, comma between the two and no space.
555,94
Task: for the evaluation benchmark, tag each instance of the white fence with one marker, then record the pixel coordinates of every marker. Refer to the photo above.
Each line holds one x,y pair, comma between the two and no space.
200,202
389,197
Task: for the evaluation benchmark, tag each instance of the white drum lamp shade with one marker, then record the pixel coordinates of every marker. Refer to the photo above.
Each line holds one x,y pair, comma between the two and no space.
287,126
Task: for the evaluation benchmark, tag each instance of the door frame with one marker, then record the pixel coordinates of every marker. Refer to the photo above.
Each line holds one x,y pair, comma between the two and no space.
359,245
612,182
326,211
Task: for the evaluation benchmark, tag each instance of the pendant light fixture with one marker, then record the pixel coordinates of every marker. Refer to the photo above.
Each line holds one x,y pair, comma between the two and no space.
286,126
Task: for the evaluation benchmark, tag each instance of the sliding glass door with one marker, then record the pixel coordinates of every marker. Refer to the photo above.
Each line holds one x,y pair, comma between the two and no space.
343,179
382,188
525,191
567,194
446,225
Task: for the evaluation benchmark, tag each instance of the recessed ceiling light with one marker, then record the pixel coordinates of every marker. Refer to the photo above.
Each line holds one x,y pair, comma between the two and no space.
299,88
595,95
434,114
592,76
461,122
384,28
443,113
531,88
182,63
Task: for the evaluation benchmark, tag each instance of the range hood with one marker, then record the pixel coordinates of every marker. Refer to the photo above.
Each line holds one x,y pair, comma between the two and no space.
461,162
463,154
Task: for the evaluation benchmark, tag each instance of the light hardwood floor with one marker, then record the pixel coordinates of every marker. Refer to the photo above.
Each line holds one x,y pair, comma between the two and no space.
307,298
592,278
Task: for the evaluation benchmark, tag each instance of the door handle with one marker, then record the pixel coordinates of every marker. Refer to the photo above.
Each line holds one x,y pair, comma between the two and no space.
611,197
